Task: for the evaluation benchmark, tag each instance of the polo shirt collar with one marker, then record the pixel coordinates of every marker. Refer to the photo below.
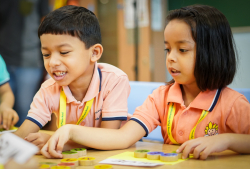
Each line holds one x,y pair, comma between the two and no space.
205,100
92,91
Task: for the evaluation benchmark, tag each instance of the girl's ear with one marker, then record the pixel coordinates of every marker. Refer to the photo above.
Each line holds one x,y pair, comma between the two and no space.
97,50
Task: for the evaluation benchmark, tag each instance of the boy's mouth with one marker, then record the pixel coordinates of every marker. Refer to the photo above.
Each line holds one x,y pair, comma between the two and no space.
58,74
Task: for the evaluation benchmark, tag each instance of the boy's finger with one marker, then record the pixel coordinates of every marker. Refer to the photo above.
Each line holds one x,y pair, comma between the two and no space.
60,145
37,142
45,152
32,137
52,148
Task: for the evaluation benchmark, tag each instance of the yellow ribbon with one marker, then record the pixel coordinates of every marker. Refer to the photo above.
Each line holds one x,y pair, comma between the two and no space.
171,112
62,115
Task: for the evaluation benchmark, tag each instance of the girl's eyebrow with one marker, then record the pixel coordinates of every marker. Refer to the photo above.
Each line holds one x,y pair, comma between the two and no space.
181,41
184,41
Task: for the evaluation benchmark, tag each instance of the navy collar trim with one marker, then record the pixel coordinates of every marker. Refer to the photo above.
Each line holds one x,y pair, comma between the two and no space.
216,97
100,76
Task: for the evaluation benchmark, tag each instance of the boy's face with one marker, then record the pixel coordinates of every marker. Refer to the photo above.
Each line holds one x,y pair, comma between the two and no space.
181,52
66,59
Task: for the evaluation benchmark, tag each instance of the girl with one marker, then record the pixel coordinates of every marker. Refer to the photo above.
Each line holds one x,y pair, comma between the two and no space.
195,108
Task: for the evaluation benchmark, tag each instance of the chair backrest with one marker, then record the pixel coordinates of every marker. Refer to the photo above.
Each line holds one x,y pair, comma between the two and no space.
244,91
140,91
138,94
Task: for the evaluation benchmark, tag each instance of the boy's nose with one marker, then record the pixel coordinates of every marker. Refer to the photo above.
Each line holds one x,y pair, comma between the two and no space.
54,61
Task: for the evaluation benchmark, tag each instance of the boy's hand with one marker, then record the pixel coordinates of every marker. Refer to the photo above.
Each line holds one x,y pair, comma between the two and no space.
203,146
54,147
38,139
8,117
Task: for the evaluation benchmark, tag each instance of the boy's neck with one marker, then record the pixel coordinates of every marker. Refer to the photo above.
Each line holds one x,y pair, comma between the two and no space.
189,93
80,86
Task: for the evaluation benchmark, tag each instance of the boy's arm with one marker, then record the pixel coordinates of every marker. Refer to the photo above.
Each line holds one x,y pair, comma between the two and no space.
98,138
203,146
26,128
104,124
8,116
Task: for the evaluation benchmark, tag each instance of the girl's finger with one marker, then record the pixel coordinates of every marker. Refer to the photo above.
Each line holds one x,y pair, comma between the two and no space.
197,150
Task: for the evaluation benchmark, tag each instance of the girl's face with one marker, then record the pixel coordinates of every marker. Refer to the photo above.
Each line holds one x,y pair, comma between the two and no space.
181,52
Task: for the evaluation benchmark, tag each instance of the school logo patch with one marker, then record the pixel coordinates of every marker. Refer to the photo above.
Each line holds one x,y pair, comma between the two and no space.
211,129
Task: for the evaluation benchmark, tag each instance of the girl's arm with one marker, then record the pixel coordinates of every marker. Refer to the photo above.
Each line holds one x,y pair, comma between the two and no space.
98,138
203,146
239,143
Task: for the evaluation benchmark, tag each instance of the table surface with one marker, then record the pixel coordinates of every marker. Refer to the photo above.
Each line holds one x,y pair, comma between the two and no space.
227,159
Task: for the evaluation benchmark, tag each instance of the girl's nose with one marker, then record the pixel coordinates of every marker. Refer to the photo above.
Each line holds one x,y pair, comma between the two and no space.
171,56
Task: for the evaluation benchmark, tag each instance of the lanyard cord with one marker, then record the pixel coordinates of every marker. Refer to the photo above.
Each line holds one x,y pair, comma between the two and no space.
171,112
88,105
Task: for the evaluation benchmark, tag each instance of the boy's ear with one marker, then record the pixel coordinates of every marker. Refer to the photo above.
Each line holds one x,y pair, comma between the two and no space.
97,50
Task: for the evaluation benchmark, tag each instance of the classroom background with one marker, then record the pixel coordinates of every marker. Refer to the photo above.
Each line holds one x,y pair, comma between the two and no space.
136,46
132,35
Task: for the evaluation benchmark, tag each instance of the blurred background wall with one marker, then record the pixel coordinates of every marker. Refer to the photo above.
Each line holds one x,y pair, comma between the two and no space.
136,46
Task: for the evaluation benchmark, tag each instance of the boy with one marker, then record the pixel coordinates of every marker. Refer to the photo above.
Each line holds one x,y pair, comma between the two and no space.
8,116
81,91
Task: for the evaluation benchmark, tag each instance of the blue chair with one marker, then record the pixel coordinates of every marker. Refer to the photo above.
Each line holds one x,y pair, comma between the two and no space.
138,94
244,91
140,91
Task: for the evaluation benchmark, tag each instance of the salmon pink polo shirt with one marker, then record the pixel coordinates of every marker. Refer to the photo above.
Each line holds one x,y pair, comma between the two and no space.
229,112
109,87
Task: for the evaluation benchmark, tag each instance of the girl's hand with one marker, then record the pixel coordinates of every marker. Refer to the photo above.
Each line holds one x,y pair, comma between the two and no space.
54,147
8,117
203,146
38,139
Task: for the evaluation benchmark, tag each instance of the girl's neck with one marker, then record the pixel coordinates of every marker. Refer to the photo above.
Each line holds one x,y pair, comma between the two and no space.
189,93
80,86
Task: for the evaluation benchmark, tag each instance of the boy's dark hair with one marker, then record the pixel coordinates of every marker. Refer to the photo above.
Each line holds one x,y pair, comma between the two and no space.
215,65
75,21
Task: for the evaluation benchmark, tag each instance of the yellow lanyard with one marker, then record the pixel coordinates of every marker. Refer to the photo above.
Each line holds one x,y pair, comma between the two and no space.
62,116
171,112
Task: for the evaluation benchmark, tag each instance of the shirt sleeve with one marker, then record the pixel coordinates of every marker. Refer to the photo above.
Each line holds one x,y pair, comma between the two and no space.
41,108
147,115
4,75
115,106
239,118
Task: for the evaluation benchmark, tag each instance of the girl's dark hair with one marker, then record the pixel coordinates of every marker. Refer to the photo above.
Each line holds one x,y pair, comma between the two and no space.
75,21
215,65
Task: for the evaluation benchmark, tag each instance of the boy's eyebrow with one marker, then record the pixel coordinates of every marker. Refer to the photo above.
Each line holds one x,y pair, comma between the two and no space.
65,44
